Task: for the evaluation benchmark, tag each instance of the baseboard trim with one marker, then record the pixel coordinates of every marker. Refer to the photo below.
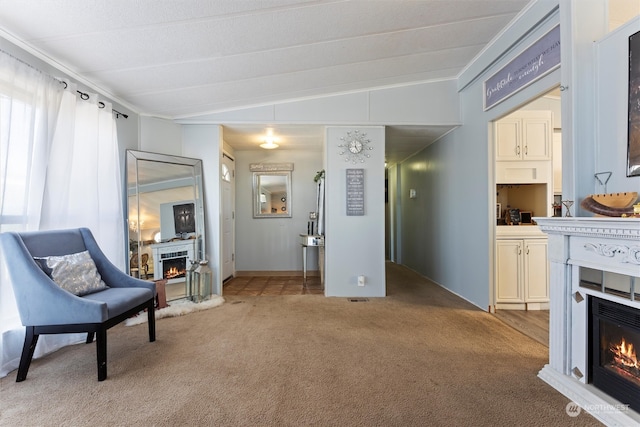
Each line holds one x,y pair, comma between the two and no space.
294,273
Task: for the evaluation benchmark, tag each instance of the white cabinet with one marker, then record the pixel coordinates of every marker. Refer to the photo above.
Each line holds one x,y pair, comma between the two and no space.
522,274
524,135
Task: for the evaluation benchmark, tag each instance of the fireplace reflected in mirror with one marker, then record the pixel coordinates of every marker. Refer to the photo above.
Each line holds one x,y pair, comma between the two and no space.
166,217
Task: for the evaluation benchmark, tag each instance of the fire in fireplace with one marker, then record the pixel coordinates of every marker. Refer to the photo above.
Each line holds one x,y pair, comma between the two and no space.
174,265
615,336
624,360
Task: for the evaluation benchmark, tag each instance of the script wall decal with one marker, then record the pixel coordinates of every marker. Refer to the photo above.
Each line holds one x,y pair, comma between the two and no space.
536,61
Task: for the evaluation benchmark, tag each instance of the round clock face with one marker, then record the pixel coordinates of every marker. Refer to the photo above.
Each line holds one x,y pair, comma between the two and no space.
355,146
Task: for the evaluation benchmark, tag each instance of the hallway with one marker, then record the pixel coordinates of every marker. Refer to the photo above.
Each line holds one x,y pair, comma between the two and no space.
534,324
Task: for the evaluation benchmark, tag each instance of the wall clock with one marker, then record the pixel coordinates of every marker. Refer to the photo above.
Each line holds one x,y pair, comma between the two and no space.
354,147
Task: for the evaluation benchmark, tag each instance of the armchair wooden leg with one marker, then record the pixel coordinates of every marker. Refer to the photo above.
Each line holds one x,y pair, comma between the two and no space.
30,341
101,353
151,319
90,337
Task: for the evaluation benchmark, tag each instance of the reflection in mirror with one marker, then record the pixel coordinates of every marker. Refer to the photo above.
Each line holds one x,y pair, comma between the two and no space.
166,218
272,190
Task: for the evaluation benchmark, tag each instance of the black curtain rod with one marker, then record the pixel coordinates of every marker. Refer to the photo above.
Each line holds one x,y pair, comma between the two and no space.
83,95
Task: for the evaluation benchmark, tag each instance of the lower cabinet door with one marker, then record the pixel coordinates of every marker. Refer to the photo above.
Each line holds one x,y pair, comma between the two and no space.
536,270
509,273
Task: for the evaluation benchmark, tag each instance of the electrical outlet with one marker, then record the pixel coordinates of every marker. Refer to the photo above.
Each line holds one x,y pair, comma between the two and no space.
360,280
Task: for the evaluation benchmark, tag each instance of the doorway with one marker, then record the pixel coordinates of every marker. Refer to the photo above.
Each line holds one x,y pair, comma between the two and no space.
228,216
526,187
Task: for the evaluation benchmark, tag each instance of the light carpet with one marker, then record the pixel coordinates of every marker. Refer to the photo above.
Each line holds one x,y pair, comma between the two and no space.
419,357
178,308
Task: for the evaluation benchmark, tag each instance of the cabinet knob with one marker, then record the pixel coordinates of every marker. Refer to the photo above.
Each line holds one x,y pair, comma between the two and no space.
518,150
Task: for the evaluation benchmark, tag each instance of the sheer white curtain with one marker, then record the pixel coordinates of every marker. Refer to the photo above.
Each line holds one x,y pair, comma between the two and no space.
83,184
29,103
59,168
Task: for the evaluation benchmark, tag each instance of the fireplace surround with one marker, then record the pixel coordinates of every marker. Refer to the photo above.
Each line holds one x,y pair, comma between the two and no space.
588,245
171,260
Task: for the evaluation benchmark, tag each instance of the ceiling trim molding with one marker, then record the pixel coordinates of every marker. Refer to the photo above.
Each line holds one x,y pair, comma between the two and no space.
57,67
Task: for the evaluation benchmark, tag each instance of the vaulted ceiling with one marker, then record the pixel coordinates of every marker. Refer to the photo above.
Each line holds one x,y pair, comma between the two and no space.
182,58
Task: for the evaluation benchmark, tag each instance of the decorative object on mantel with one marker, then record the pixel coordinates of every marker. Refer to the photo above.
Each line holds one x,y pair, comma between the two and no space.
178,308
604,184
567,204
636,212
612,204
355,146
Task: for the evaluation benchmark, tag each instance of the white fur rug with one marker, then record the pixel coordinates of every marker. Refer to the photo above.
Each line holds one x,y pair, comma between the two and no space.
177,308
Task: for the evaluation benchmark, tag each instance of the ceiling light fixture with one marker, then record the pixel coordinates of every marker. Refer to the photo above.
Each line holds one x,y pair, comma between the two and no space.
269,144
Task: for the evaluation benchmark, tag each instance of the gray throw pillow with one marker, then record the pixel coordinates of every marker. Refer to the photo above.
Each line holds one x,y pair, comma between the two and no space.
75,273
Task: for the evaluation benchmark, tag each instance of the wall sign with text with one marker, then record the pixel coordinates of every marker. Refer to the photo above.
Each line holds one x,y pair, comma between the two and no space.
536,61
355,192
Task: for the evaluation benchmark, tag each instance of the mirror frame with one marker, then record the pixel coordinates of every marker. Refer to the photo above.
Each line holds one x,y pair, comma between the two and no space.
271,169
135,187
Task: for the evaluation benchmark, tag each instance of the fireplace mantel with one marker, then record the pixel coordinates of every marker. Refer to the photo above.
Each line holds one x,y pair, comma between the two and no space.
607,244
610,228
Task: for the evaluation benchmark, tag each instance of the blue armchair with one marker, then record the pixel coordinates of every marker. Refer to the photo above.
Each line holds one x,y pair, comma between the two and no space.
46,308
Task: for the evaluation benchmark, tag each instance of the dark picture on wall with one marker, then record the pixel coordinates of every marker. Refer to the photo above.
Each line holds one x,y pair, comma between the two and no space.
633,138
184,218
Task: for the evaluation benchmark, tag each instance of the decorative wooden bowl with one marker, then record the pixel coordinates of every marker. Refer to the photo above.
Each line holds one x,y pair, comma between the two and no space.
612,204
616,200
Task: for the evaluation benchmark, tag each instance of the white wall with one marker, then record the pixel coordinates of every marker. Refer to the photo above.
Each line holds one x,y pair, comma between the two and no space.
612,70
407,104
447,230
354,245
273,244
160,136
205,142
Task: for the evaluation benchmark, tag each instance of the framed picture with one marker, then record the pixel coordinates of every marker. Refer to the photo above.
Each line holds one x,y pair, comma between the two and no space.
513,216
498,210
525,217
633,137
184,218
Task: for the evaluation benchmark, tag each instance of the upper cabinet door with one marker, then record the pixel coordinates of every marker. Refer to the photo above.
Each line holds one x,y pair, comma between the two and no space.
509,139
524,135
536,132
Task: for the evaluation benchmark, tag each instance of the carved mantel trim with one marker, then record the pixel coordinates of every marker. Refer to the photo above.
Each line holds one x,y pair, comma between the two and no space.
608,228
631,254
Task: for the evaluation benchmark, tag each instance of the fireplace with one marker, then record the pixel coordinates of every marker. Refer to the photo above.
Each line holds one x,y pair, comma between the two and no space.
171,260
614,338
174,265
594,266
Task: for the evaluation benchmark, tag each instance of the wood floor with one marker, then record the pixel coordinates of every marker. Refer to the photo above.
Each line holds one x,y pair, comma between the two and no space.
533,323
272,285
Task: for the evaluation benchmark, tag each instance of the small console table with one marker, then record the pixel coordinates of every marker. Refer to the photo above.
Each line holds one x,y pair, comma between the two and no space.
312,240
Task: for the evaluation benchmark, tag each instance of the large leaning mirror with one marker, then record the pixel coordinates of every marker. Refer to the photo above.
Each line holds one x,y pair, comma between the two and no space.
271,190
165,209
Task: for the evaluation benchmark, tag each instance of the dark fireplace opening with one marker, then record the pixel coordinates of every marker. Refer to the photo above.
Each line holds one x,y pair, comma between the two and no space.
614,341
174,268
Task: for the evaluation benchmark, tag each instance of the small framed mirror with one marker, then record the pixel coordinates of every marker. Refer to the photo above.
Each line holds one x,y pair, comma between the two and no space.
272,190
